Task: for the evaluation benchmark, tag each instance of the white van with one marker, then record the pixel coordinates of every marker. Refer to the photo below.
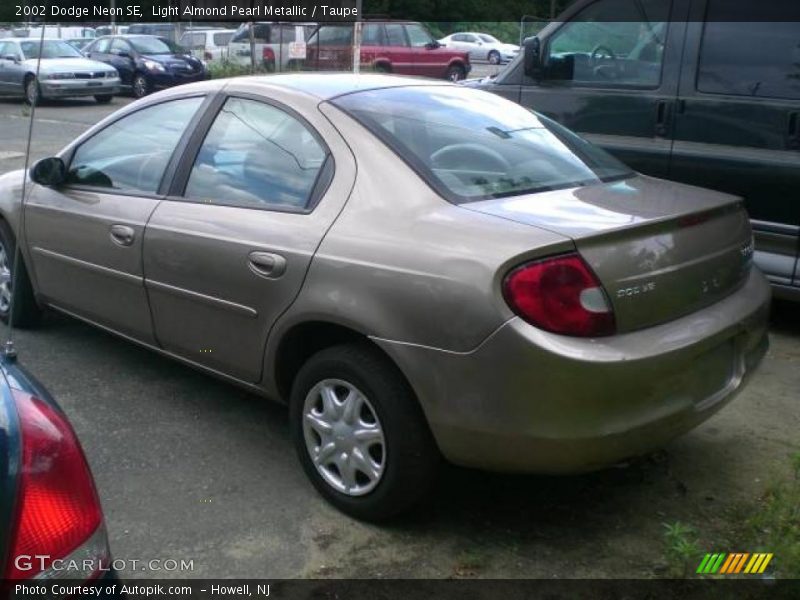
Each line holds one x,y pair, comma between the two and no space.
277,45
208,44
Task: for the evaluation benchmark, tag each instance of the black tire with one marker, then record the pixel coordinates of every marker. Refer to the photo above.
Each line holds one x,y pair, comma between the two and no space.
32,90
456,73
140,86
382,68
411,458
26,311
494,57
104,99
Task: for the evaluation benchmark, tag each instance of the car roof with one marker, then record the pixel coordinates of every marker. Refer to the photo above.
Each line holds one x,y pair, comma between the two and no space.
324,86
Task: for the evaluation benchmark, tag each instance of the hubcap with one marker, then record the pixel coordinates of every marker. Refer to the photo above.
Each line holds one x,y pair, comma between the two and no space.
140,86
5,281
344,437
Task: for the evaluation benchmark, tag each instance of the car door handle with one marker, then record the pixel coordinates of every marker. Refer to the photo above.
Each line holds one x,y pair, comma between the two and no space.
662,118
122,235
267,264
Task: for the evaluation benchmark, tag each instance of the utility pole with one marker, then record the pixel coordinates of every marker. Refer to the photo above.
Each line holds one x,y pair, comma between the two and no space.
357,26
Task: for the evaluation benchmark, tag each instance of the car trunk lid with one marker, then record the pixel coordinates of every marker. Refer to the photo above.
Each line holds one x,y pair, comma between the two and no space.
660,249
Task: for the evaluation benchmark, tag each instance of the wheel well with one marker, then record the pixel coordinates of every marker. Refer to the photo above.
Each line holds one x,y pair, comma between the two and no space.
383,65
306,339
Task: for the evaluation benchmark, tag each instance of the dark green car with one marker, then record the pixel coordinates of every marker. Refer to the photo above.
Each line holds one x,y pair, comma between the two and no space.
691,90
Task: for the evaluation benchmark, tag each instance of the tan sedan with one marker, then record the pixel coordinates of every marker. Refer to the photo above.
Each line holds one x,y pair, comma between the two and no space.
420,270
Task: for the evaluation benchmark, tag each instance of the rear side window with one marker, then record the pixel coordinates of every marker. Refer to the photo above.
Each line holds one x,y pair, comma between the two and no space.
333,35
750,59
256,156
470,145
222,39
132,153
395,36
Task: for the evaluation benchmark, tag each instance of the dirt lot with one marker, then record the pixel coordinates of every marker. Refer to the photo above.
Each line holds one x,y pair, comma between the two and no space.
191,468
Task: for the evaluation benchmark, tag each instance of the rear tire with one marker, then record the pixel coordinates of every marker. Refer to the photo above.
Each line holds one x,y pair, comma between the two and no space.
140,86
26,312
382,68
104,99
388,429
456,73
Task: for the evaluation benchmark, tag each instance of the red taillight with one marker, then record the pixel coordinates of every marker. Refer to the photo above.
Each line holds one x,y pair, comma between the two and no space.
57,505
561,295
268,54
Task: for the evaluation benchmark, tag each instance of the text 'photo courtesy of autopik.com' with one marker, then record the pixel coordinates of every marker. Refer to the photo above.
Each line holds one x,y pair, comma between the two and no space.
400,299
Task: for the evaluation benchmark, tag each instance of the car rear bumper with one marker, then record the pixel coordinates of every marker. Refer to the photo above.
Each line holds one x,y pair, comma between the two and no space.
529,400
63,88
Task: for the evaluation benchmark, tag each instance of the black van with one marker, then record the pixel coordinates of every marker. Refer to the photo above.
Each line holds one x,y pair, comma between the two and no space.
689,90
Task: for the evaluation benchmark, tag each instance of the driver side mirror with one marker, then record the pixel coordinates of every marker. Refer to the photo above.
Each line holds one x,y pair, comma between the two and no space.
433,45
532,47
49,172
122,53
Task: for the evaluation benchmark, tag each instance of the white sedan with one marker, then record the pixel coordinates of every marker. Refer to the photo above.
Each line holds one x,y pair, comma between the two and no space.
481,46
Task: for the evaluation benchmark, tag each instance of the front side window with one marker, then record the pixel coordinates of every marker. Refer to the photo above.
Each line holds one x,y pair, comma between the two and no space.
256,156
418,36
470,145
371,35
120,45
101,46
395,35
611,42
333,35
132,153
750,58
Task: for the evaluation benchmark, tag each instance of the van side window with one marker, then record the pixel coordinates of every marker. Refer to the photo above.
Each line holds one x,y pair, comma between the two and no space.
750,59
611,43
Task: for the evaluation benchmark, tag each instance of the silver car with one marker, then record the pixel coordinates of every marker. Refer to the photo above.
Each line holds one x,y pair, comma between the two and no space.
63,72
420,270
481,46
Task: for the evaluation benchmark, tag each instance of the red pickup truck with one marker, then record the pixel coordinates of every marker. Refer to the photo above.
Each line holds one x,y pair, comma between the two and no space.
401,47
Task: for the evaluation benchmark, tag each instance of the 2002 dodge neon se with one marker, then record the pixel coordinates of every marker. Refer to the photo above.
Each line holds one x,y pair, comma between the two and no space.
420,270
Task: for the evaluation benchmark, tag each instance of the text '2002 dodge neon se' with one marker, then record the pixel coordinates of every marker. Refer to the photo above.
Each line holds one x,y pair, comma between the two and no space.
420,270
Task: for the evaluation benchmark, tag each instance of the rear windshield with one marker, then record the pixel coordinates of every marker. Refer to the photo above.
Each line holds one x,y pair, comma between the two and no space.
472,145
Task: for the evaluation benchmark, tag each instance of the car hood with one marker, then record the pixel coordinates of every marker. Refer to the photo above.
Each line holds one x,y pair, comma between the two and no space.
51,65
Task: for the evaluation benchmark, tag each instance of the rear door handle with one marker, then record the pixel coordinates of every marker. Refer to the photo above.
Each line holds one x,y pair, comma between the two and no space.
662,118
267,264
122,235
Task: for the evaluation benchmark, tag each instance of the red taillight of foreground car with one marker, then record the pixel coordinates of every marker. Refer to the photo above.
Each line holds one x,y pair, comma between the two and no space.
268,55
57,508
562,295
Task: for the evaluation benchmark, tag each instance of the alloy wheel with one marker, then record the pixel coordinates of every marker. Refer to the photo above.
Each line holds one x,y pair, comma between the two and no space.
5,281
140,86
32,91
344,437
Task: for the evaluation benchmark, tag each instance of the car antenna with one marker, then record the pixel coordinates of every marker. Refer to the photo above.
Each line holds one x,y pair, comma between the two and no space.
9,350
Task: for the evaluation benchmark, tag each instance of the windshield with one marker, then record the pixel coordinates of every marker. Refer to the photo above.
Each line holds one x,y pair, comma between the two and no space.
50,49
472,145
488,39
150,45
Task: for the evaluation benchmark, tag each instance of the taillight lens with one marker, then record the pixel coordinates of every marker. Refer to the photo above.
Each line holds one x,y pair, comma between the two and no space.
58,509
268,54
562,295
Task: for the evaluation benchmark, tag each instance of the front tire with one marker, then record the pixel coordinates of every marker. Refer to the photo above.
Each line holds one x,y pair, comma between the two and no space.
33,92
104,99
360,434
15,291
456,73
140,86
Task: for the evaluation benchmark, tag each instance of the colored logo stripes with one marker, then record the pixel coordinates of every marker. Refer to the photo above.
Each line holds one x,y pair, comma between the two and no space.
736,562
